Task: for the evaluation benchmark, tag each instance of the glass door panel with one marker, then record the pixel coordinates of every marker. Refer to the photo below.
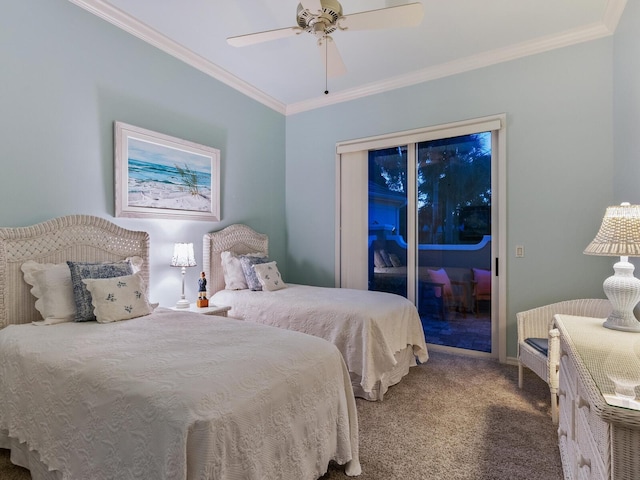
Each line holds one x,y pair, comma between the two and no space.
454,240
388,221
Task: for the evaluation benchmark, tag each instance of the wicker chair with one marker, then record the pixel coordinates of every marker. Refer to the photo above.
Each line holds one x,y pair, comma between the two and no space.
533,333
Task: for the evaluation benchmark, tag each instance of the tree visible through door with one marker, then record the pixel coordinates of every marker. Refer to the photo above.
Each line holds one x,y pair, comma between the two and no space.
451,208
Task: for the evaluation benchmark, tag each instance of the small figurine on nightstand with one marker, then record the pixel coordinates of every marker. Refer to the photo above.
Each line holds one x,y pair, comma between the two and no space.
202,291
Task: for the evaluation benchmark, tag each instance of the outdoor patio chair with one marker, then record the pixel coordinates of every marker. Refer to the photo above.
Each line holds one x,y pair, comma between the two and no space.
533,339
450,294
481,287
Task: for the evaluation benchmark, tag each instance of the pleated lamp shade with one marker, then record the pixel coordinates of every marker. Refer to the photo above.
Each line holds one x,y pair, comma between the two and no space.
619,235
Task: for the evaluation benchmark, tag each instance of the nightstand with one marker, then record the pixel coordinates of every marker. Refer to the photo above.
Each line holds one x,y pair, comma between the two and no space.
219,310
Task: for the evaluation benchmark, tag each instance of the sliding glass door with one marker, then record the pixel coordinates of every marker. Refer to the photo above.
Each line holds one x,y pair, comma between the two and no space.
418,215
446,265
454,240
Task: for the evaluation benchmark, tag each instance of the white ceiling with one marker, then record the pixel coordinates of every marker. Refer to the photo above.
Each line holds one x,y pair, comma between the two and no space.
288,74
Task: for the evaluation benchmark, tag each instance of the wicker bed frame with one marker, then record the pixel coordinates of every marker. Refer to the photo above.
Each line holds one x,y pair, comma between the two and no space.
237,238
80,238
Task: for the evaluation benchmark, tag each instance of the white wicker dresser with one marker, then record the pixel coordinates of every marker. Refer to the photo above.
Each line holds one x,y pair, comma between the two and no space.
598,431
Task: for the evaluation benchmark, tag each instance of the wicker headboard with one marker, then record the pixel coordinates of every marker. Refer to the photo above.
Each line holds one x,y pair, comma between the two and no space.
80,238
236,238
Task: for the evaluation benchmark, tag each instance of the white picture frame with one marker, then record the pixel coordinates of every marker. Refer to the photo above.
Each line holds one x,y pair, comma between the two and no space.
160,176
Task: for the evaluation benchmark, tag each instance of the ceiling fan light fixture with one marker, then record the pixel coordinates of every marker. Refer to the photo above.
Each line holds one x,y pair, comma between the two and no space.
321,22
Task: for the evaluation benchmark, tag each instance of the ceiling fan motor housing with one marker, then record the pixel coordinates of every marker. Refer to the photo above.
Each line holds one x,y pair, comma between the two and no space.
320,23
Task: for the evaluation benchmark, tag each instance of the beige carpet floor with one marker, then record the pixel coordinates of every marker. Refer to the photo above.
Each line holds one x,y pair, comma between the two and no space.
455,418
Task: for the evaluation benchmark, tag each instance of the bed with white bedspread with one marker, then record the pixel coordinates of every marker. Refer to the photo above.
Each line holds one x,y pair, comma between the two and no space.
379,334
167,395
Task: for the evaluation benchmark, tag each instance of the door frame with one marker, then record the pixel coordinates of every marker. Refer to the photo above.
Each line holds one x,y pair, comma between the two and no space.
358,149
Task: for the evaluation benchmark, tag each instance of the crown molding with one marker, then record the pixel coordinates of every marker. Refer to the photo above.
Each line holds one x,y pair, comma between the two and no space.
612,14
120,19
129,24
544,44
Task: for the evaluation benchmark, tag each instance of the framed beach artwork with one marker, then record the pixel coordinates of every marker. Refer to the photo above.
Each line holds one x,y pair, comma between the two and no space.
158,176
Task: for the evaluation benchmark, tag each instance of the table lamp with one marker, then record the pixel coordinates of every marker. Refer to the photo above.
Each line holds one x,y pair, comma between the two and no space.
619,235
183,257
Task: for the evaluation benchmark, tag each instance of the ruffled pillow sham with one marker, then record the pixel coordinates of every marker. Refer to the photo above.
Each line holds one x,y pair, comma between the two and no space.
51,285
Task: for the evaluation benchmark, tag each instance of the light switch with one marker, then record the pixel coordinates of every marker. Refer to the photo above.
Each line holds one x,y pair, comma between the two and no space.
519,251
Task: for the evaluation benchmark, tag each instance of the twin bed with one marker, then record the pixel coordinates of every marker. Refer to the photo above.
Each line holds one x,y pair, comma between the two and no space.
379,334
167,394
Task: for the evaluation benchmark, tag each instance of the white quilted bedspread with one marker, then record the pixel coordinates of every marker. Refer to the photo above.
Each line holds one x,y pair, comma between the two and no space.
177,395
367,327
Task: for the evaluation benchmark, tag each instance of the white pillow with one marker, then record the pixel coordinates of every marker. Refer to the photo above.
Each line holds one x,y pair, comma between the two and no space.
136,263
378,261
269,276
118,298
234,278
51,285
395,260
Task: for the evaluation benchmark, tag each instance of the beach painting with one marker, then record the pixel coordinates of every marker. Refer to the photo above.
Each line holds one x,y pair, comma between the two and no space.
164,177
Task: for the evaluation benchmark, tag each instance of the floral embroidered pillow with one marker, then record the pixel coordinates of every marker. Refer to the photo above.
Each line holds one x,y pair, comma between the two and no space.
85,270
118,298
269,276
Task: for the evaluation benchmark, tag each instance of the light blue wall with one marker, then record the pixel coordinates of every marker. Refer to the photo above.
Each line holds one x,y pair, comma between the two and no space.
626,112
559,166
626,102
68,75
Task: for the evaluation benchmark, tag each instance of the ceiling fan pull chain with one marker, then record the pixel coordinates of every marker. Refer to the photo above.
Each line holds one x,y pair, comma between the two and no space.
326,65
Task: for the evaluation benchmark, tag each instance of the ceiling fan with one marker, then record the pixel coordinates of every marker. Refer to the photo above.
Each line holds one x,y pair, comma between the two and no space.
323,17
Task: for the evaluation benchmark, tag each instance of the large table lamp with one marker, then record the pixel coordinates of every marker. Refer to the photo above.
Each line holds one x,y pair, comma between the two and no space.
183,257
619,235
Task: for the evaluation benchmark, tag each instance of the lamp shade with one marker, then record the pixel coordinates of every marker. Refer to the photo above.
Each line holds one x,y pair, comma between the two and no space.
619,234
183,255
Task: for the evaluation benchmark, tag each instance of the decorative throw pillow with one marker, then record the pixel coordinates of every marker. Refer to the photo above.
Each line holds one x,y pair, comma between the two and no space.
234,278
118,298
250,275
52,288
136,263
83,270
378,261
483,281
395,260
269,276
385,258
440,276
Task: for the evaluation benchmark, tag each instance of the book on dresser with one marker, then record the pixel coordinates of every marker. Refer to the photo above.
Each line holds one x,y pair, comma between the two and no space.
599,414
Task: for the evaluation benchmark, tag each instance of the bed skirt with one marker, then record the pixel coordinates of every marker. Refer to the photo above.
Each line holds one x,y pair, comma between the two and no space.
405,358
29,459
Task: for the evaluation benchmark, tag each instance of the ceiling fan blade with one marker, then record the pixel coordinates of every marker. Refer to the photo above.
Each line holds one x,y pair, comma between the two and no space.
259,37
331,57
314,6
409,15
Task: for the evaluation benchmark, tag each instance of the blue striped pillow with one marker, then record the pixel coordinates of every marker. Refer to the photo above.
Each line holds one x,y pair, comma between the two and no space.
82,296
